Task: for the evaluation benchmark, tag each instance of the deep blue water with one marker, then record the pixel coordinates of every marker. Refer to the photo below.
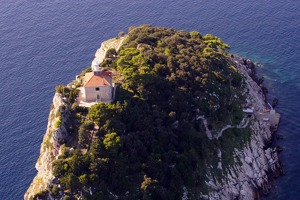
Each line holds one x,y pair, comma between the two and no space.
46,43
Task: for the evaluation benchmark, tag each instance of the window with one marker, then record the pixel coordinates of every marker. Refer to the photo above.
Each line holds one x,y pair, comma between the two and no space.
97,89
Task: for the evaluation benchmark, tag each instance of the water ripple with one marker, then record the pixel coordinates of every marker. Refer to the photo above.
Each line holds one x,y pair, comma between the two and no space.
45,43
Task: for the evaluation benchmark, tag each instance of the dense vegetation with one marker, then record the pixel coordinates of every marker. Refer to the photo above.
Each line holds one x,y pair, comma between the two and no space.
148,144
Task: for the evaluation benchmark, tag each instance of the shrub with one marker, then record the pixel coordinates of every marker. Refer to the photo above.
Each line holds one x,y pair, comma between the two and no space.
58,123
62,89
84,134
195,35
111,53
112,142
54,190
70,182
41,195
83,179
72,95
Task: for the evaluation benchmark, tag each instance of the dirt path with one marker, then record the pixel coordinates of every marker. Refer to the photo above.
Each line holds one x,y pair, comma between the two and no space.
207,131
243,124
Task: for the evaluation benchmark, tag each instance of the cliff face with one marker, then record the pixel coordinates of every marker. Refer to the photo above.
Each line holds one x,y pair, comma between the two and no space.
257,164
50,147
114,43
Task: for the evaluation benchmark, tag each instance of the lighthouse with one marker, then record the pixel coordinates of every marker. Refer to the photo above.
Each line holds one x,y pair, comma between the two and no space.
95,66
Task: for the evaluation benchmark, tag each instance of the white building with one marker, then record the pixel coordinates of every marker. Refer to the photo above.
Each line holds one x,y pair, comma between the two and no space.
97,86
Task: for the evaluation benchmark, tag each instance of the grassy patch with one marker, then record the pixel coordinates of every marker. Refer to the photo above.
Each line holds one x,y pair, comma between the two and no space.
231,139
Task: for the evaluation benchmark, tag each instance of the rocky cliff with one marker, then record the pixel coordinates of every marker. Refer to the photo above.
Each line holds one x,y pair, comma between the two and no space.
51,145
257,164
114,43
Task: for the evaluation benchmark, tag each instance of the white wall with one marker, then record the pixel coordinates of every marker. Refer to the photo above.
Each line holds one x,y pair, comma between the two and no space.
105,93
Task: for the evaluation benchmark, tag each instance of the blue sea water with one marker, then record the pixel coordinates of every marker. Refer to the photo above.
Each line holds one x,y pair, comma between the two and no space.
46,43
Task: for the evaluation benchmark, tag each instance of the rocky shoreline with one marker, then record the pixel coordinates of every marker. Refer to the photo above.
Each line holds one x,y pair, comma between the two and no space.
260,164
257,164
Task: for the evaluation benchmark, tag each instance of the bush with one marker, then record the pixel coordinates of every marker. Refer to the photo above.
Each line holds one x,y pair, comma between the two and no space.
54,191
195,35
83,179
62,89
236,80
41,195
84,134
72,95
112,142
111,53
58,168
70,182
58,123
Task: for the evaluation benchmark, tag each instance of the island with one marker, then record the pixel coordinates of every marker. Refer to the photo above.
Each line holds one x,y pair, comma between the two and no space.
160,114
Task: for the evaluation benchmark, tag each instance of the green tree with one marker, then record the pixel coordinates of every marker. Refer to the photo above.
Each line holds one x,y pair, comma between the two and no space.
100,112
112,142
62,89
72,95
84,134
195,35
70,182
83,179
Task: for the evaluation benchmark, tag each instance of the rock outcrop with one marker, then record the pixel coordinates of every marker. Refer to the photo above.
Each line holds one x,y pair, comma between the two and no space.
114,43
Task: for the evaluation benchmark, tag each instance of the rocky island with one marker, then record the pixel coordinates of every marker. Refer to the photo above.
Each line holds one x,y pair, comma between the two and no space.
160,114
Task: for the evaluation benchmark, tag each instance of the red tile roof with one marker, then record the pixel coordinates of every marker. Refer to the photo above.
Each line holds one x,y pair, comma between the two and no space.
92,79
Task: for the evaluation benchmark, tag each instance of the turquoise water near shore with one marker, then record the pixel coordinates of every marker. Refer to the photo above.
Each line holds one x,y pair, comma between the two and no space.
43,44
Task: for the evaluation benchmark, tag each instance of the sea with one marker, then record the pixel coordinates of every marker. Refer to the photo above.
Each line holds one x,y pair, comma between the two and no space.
46,43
